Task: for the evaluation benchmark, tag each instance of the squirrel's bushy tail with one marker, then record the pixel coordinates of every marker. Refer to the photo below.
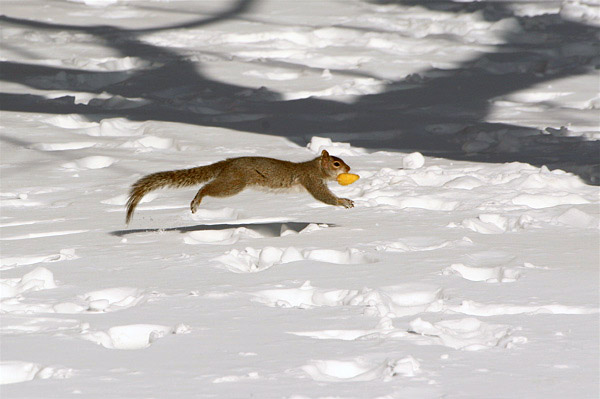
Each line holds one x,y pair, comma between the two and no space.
172,179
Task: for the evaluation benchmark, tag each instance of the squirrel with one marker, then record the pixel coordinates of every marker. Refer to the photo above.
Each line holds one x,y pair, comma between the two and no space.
231,176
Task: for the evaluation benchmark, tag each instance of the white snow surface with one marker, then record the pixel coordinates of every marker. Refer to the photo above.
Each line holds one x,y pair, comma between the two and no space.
468,268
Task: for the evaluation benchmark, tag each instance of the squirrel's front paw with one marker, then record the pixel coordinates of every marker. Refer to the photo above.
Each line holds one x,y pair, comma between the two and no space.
346,203
194,206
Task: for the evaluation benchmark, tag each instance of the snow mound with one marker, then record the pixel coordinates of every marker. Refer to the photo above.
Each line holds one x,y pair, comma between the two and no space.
216,214
220,237
576,218
113,299
39,278
255,260
395,301
236,378
345,91
540,201
359,370
149,142
467,334
427,202
12,372
489,275
71,121
402,300
415,160
114,127
497,224
318,144
134,336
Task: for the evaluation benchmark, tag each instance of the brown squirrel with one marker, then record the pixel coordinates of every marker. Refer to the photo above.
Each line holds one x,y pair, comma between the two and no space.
231,176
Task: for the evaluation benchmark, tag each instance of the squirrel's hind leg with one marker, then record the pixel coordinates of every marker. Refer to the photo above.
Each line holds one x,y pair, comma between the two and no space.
217,188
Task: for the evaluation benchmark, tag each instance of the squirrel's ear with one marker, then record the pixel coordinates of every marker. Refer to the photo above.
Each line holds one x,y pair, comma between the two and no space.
325,159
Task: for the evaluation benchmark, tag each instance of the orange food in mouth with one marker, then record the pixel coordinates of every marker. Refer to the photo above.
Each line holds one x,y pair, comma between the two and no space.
347,178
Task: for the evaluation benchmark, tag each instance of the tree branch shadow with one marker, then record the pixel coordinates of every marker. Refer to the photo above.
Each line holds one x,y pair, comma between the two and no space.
458,97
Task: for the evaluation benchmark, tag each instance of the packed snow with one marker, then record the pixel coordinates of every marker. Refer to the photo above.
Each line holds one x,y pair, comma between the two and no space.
468,268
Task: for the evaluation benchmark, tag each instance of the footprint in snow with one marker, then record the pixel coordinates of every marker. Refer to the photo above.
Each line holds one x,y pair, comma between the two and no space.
107,300
419,244
93,162
397,200
150,143
469,334
381,331
576,218
121,200
17,200
110,127
26,324
486,266
473,308
497,224
401,300
68,146
17,261
236,378
42,235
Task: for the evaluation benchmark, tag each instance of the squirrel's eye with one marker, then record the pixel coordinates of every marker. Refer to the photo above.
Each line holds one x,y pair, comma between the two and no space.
336,164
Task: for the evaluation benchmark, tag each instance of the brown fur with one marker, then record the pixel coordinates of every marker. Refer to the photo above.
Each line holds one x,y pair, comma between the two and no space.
231,176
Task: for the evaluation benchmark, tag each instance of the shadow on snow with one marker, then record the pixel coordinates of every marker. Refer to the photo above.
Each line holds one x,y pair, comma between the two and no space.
273,229
395,119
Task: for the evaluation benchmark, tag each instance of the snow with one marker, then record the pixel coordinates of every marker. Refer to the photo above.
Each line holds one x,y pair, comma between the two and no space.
468,268
413,161
137,336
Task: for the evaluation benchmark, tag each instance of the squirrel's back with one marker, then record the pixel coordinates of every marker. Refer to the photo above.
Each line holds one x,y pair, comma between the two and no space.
268,172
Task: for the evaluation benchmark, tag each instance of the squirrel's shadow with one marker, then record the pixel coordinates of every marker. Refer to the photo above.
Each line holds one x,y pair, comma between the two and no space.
265,229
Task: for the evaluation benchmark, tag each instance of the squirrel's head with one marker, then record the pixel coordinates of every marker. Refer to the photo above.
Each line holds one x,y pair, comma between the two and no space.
332,166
